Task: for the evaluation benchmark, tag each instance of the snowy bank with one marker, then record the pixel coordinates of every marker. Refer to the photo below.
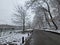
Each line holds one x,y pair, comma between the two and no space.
53,31
13,38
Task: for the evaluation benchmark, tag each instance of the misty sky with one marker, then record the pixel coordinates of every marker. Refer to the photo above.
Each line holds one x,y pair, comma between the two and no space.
6,10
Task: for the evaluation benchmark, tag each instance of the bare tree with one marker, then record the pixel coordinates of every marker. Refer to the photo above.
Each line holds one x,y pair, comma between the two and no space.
20,15
41,18
50,14
32,2
29,24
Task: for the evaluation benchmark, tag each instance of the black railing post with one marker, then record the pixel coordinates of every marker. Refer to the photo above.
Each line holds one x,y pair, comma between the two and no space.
22,40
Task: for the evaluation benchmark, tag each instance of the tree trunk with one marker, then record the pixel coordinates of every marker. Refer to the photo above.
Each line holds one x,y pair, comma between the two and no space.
51,16
23,23
47,20
53,21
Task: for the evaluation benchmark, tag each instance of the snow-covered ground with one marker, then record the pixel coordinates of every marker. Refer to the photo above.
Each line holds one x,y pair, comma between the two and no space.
16,37
12,36
57,31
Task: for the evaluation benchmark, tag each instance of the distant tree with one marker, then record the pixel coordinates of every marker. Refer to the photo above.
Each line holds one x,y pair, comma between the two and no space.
58,3
20,15
29,24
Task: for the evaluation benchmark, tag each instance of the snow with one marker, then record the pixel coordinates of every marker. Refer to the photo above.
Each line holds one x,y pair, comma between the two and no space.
29,29
57,31
13,37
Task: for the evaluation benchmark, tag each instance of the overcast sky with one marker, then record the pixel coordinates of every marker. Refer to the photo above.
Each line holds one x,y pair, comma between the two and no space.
6,10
